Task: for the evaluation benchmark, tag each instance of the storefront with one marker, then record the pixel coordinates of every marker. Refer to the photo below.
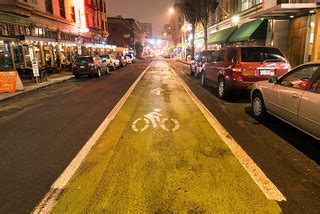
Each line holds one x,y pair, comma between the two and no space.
295,29
6,58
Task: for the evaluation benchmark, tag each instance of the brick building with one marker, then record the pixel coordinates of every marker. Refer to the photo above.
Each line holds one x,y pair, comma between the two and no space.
50,31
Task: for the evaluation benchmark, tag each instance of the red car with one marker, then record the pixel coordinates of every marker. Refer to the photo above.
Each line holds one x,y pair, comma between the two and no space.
237,68
198,62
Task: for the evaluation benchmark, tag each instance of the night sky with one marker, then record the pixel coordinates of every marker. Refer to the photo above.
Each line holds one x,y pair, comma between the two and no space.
154,11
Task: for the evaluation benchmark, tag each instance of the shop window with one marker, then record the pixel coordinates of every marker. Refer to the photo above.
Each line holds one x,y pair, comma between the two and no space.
5,57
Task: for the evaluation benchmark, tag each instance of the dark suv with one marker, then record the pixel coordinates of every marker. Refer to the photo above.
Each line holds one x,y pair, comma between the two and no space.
237,68
89,65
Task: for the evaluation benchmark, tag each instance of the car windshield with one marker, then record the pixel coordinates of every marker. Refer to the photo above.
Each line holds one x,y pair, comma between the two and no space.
84,60
261,54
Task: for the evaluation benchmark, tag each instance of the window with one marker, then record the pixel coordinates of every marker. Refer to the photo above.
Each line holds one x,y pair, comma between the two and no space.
220,56
5,57
299,78
73,14
261,54
316,85
49,7
232,55
62,8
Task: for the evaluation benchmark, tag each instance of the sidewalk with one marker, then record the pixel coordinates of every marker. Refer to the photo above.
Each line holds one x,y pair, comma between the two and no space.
160,154
185,62
29,85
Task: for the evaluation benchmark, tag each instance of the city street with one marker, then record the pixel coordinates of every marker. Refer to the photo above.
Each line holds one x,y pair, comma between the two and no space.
159,154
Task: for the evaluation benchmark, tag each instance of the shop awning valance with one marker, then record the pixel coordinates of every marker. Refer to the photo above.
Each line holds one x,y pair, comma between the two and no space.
253,30
221,37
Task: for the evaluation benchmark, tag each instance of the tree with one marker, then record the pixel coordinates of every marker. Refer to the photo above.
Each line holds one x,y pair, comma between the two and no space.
189,8
205,8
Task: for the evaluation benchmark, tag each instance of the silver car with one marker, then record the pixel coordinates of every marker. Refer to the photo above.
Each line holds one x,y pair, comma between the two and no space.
293,98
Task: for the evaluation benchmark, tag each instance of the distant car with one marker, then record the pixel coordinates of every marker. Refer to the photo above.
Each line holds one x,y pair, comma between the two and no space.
132,57
123,61
129,59
113,63
198,62
89,65
293,98
234,69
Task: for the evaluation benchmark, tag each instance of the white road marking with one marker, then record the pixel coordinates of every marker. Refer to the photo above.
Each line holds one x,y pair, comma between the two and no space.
157,91
264,183
50,199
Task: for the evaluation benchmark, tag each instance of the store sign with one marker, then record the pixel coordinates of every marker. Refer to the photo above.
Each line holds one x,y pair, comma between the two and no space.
35,67
8,81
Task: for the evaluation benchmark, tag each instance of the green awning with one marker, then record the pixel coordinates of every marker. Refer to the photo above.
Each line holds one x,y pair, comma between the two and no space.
222,36
256,29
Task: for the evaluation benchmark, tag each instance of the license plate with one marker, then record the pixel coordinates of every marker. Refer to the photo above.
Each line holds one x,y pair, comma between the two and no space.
266,72
81,66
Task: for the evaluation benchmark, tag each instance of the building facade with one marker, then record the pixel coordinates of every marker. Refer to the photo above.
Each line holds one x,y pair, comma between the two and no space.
124,32
50,31
290,25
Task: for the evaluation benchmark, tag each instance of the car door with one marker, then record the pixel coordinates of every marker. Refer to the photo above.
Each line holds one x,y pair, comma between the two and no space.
309,110
210,69
287,93
219,65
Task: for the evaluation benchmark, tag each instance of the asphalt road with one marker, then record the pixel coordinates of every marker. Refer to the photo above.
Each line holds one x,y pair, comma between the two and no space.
288,157
42,131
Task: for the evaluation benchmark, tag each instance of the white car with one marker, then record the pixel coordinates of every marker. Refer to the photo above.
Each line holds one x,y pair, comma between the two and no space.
112,61
293,98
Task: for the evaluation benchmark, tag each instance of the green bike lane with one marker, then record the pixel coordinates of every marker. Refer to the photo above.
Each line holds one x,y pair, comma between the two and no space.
160,154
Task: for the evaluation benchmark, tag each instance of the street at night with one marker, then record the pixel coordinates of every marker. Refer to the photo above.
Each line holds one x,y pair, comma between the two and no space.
185,106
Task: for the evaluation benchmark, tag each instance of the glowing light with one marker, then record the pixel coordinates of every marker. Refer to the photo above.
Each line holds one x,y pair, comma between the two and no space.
171,10
235,19
80,13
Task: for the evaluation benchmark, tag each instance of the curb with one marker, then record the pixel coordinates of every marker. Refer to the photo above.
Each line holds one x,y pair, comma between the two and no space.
9,96
184,62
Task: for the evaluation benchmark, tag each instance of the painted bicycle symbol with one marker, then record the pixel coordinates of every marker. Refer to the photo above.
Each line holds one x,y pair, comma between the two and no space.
154,118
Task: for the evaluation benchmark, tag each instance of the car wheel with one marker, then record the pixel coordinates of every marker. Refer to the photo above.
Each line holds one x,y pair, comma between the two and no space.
98,73
196,73
107,70
77,76
191,71
203,80
223,90
258,107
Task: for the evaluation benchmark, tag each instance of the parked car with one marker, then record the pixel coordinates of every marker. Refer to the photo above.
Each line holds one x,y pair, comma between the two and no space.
123,61
129,59
89,65
293,98
113,62
132,57
233,69
198,62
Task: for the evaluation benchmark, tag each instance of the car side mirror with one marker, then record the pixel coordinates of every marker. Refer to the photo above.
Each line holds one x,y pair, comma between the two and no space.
273,80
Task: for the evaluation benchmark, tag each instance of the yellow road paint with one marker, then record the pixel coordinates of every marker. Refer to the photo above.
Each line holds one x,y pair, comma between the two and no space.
189,170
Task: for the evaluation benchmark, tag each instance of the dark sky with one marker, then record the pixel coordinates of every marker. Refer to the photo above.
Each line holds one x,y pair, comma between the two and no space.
154,11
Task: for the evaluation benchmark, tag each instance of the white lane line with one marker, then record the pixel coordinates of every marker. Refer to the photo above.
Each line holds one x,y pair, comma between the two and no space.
264,183
50,199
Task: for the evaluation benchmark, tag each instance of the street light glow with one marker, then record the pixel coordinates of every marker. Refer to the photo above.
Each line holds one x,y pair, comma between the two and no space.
235,19
171,10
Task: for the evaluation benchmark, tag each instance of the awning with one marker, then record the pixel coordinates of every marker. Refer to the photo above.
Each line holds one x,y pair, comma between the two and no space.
284,11
221,37
254,30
